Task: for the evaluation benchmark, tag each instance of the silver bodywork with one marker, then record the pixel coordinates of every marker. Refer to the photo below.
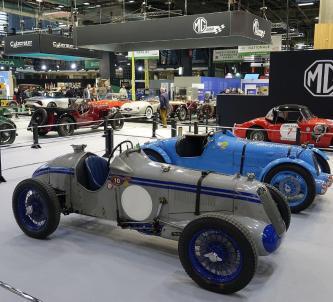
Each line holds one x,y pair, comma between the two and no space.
41,101
164,199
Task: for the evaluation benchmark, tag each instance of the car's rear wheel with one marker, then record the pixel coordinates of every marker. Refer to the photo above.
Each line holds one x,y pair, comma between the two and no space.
154,156
39,117
295,183
7,133
257,134
149,113
218,253
323,164
36,208
66,126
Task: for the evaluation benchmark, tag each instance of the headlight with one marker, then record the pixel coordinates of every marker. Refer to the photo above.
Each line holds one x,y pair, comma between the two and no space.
319,129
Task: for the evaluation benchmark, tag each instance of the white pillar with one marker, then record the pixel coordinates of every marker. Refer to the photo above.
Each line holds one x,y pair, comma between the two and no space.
326,11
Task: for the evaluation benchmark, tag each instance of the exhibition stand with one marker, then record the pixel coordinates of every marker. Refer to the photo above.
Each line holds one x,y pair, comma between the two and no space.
303,77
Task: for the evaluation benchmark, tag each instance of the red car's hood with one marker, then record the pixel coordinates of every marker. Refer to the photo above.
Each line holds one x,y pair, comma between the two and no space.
317,120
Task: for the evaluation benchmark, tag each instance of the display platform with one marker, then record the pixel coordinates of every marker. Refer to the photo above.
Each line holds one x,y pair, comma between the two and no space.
89,259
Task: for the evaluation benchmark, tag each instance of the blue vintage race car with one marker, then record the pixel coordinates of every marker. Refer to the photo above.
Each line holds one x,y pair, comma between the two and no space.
298,172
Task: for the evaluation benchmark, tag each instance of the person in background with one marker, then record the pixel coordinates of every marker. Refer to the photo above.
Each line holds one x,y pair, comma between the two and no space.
123,91
164,105
94,93
86,92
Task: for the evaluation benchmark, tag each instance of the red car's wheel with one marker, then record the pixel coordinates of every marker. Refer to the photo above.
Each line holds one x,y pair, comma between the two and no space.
257,134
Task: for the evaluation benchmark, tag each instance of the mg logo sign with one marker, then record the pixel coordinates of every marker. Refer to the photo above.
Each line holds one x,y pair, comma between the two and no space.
200,25
318,78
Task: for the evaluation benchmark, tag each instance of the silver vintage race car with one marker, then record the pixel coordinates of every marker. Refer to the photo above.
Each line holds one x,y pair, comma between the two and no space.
222,223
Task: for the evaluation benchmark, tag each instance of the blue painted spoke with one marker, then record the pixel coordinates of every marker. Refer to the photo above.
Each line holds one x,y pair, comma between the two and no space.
215,256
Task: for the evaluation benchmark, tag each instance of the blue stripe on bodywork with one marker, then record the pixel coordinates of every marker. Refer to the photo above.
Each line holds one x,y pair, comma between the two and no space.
56,170
193,189
194,186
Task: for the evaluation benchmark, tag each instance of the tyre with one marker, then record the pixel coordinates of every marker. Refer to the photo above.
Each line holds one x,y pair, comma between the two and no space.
7,137
117,121
42,132
282,205
154,156
182,113
39,117
36,208
149,113
294,182
13,104
323,164
51,105
256,134
218,253
66,127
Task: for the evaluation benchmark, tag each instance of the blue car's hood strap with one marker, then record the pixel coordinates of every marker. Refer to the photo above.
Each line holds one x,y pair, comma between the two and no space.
197,201
242,159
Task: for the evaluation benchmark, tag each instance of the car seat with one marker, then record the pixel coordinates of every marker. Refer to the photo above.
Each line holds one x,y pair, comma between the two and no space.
191,145
97,171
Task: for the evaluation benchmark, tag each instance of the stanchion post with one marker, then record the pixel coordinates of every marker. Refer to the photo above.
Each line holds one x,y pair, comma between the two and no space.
108,142
190,125
180,131
196,128
2,179
154,124
35,145
298,136
206,122
173,127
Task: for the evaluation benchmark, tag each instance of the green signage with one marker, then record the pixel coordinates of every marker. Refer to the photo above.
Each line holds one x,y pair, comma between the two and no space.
12,62
91,64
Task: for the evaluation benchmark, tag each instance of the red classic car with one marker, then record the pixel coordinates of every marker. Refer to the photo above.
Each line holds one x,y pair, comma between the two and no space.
183,108
112,100
81,114
281,123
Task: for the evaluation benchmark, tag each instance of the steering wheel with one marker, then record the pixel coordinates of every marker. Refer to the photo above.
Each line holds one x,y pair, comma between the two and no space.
119,146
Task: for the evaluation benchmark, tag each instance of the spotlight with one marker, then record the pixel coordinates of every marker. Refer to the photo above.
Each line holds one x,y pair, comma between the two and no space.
140,68
43,67
73,66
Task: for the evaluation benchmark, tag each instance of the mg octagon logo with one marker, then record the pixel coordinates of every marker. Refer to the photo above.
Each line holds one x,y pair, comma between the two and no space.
318,78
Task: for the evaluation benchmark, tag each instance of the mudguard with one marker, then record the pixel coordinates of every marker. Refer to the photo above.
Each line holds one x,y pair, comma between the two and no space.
286,160
320,153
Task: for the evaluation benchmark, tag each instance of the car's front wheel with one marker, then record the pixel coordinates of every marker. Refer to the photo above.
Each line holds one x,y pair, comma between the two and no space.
182,113
66,126
218,253
116,120
7,133
149,113
294,182
36,208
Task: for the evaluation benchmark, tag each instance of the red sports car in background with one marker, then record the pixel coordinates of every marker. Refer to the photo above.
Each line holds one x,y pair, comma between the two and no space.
111,100
281,123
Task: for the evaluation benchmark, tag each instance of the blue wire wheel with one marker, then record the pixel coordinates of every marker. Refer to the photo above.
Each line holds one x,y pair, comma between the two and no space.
32,209
215,255
295,183
218,253
36,208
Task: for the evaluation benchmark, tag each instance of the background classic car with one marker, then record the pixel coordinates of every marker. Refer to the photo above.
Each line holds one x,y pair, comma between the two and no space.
299,173
281,123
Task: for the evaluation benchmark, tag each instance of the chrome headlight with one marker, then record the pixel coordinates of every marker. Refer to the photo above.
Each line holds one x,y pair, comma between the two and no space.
319,129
